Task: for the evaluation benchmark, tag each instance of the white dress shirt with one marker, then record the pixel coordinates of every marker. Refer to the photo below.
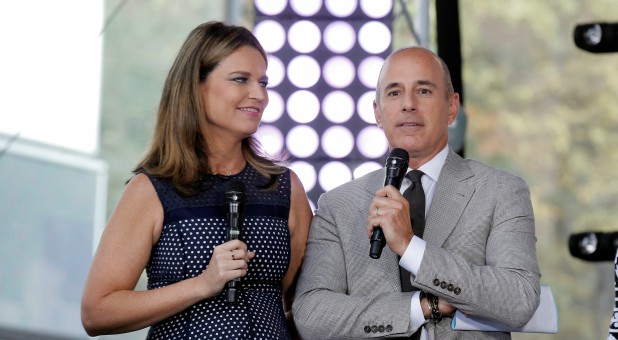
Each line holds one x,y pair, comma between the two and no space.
412,257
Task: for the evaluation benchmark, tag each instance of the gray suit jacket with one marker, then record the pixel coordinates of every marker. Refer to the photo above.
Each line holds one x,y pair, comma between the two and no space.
480,244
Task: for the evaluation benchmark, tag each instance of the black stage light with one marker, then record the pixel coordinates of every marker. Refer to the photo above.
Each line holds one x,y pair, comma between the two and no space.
594,246
598,37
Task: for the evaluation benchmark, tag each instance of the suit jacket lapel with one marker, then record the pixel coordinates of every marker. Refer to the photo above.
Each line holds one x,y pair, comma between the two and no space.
453,192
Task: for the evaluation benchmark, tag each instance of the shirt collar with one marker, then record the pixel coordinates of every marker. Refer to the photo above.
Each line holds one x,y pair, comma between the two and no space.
434,166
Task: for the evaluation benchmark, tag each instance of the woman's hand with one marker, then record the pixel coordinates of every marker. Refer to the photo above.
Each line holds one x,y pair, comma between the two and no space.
229,261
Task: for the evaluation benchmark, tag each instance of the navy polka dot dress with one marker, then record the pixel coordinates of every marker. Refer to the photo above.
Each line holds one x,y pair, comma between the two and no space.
193,226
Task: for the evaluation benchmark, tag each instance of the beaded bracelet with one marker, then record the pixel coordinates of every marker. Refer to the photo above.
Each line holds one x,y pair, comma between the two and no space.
432,304
436,315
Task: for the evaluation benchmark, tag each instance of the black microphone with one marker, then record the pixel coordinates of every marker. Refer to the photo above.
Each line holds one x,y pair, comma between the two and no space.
235,204
396,168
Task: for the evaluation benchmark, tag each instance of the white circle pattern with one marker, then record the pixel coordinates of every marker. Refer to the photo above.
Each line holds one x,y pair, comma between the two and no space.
193,227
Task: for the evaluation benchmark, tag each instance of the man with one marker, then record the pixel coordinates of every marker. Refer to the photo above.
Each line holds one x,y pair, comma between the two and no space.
477,253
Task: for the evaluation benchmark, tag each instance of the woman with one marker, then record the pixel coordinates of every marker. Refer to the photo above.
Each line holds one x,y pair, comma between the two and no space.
171,219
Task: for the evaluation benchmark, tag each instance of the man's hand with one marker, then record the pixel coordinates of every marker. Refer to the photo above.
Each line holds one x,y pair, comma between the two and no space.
390,211
443,306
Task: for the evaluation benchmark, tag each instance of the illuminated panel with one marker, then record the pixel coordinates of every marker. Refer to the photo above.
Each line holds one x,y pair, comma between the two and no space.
324,61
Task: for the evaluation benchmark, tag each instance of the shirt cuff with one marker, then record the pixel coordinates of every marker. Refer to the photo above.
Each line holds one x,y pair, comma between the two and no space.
417,319
412,257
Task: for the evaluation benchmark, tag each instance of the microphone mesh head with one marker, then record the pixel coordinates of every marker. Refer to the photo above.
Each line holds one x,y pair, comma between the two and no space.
399,153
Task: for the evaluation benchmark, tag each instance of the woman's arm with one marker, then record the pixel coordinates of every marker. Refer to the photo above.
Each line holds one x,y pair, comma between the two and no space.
299,221
110,304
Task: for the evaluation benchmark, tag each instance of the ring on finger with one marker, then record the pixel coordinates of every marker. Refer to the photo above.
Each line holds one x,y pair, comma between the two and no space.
377,211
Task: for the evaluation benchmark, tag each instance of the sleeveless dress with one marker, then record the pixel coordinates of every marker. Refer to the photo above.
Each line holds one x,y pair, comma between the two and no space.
193,226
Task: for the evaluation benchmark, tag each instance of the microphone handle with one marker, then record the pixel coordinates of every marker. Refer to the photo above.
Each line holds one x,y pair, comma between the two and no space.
378,241
233,288
233,233
395,167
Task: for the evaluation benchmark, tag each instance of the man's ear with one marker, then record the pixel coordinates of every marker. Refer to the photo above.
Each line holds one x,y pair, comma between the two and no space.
453,108
376,114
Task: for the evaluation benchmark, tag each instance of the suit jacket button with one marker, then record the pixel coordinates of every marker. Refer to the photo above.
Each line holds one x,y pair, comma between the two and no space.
381,328
367,329
374,328
457,291
443,285
436,282
450,287
389,328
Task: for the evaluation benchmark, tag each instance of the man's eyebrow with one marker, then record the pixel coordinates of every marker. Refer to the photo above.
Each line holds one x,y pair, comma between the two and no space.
391,85
418,82
426,82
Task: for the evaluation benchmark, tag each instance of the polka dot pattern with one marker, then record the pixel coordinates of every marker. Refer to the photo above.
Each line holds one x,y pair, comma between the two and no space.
193,226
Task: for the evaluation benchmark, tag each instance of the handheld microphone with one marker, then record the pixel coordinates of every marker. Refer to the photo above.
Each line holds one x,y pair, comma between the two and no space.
235,203
396,168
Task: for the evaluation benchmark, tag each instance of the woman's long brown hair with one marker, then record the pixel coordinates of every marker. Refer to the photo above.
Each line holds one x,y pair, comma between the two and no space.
178,151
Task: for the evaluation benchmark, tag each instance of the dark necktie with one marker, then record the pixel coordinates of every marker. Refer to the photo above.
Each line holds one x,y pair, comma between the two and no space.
416,197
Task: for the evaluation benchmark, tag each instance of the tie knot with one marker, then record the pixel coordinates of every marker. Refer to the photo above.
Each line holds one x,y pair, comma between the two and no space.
415,175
